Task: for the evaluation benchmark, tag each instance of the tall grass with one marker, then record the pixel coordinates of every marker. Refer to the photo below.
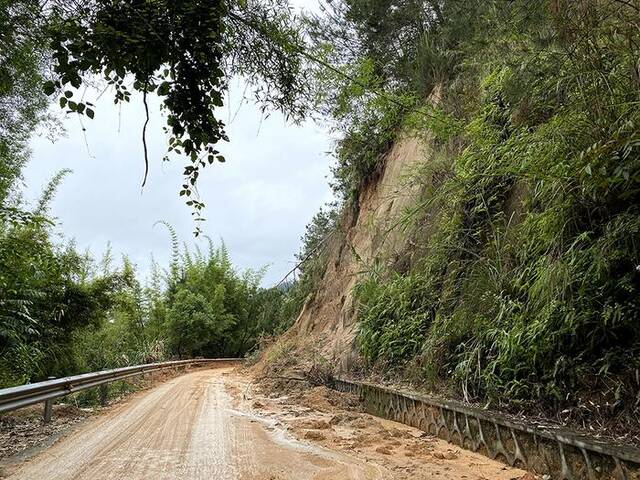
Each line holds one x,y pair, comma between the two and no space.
529,286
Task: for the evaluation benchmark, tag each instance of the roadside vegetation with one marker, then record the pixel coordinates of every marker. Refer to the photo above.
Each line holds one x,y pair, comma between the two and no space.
63,312
527,290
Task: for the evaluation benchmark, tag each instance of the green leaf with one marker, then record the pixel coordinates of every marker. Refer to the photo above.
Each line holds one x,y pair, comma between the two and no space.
49,88
163,89
89,113
63,102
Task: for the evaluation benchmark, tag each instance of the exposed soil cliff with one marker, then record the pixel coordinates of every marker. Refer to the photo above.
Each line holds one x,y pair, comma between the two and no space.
368,231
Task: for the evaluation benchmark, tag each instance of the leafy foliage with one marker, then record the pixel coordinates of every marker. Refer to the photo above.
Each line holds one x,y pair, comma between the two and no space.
21,100
61,313
46,295
211,309
185,52
528,286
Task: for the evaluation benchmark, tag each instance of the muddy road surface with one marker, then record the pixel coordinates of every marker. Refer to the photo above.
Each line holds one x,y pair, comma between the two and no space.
216,424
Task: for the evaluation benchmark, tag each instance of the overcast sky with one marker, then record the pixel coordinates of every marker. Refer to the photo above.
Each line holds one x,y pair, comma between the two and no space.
259,201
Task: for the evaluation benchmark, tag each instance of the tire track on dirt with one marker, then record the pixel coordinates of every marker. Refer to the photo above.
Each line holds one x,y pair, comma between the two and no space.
186,428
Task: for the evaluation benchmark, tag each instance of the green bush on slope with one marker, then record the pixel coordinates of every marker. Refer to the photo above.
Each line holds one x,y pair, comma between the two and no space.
529,289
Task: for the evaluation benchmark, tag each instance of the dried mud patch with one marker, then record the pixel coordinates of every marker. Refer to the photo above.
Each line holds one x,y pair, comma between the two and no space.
334,420
325,400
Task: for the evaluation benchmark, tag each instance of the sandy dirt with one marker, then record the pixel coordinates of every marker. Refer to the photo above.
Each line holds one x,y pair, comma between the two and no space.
332,420
22,432
216,424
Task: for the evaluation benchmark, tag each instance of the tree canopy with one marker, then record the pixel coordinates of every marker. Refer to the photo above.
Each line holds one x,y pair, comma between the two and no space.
61,310
184,52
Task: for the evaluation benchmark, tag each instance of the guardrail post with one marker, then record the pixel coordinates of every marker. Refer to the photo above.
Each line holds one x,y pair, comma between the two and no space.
48,407
104,392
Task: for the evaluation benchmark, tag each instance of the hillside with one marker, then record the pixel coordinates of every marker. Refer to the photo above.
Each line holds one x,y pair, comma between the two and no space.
366,234
486,247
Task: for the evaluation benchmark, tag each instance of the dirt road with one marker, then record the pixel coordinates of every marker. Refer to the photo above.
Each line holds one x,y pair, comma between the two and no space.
214,424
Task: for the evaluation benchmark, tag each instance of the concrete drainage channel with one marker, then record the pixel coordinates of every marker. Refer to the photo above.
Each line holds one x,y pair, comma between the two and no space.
556,453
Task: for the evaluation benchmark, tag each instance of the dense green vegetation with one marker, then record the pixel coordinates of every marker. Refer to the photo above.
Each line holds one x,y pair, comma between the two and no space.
528,285
62,312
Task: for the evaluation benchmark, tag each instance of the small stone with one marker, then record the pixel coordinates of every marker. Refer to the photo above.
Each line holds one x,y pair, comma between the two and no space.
448,455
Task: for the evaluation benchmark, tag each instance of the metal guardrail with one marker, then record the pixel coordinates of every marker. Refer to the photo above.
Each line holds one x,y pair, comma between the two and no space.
15,398
560,453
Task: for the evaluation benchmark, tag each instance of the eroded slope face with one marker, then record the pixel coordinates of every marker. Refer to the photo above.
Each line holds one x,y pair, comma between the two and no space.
368,233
